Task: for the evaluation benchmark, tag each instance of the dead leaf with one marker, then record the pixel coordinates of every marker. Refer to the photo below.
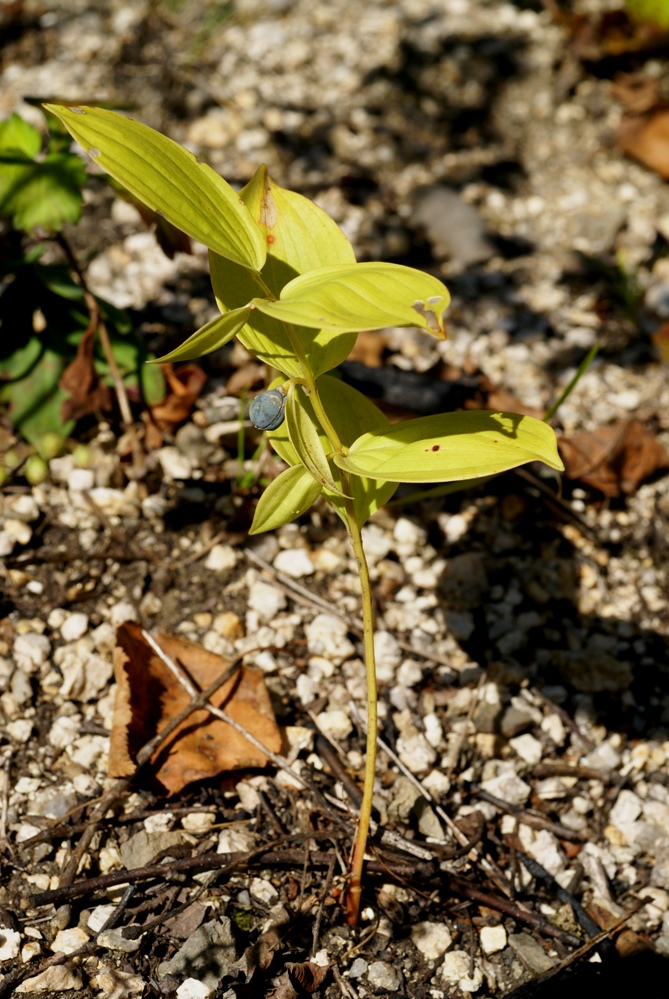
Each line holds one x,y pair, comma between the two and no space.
259,955
299,980
249,376
149,695
660,340
614,459
185,384
80,380
646,139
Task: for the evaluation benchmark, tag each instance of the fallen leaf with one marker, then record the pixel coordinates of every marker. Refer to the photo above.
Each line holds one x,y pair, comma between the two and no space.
149,695
259,955
614,459
646,139
299,979
80,380
368,348
185,384
660,340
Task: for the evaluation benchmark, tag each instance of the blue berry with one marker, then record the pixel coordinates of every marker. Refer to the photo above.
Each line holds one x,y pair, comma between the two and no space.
266,412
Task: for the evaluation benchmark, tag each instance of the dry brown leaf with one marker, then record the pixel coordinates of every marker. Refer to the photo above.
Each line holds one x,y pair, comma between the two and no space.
614,459
80,380
646,138
299,979
185,384
149,695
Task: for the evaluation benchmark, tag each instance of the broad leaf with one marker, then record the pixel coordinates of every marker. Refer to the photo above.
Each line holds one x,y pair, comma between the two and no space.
451,447
285,499
209,337
354,297
18,136
349,411
300,237
306,440
168,179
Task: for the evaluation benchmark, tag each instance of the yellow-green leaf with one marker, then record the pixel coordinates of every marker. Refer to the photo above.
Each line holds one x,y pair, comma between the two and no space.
306,440
349,410
286,498
169,180
209,337
300,237
369,296
451,447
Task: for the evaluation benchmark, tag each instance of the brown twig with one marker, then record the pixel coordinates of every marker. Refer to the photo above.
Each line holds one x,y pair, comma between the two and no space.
98,323
530,818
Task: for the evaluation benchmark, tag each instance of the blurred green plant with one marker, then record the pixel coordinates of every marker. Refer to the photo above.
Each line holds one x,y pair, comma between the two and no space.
62,349
654,11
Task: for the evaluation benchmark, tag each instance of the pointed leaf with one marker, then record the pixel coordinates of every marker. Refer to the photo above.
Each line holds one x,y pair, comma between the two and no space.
450,447
362,296
285,499
349,411
300,237
168,179
209,337
305,438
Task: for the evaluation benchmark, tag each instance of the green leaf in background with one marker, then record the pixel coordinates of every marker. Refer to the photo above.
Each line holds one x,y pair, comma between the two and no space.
286,498
152,383
35,401
300,237
355,297
209,337
37,193
655,11
348,410
168,179
305,438
451,447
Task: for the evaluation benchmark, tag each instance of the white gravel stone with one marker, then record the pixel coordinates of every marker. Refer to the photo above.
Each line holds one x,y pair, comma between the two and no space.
527,747
81,479
431,939
22,508
65,730
31,651
383,976
67,941
20,729
84,677
117,984
295,562
53,981
409,674
416,753
123,611
266,600
627,809
10,944
7,543
388,655
603,757
174,464
74,626
546,849
335,723
509,787
18,530
328,636
221,558
455,971
193,989
358,968
263,890
493,939
114,940
99,916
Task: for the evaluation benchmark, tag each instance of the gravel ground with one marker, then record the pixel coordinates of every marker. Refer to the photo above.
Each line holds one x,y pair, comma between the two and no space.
523,639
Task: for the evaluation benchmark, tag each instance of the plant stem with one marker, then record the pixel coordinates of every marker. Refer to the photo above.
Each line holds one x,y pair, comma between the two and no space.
357,860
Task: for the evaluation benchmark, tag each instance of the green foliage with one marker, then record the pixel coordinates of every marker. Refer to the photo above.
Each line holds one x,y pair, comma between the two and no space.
37,192
44,315
655,11
287,283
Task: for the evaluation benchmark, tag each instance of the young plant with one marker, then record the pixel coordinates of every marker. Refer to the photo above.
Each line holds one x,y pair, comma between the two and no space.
287,284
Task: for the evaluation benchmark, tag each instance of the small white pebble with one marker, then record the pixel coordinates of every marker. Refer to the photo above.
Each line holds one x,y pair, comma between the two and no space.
74,626
193,989
295,562
493,939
